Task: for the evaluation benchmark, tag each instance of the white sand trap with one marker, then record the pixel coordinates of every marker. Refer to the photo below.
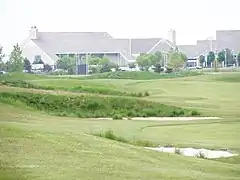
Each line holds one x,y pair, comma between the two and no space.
173,118
204,153
167,118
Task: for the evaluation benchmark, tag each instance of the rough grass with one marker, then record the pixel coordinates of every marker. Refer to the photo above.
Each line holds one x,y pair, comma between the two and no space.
21,76
79,88
231,78
142,75
35,144
109,134
93,106
38,146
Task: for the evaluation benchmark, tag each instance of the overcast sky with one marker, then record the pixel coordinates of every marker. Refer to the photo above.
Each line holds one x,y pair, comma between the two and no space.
192,19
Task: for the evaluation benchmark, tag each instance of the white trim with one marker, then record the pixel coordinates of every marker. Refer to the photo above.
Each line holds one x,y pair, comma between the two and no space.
162,40
44,51
124,56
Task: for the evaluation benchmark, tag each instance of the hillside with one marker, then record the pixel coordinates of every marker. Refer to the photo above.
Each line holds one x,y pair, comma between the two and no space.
54,134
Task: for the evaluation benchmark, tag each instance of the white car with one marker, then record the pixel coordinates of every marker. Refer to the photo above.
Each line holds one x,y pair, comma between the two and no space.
3,72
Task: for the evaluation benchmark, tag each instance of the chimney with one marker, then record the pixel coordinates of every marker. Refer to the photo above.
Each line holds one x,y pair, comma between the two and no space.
172,36
33,33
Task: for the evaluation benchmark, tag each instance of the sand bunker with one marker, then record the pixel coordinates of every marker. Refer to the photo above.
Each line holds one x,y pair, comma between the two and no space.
202,153
167,118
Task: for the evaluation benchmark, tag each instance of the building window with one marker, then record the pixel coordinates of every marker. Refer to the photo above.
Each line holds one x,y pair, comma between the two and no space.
38,60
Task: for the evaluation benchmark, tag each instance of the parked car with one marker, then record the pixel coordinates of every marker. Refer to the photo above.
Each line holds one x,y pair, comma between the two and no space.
3,72
198,67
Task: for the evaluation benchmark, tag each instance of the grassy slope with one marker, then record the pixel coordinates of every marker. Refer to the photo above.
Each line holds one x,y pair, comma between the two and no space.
216,95
63,149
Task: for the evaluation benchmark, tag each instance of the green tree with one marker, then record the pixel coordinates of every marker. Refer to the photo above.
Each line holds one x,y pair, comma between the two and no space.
16,63
93,60
183,56
2,64
145,61
27,65
176,60
158,68
159,56
67,63
221,56
106,65
104,61
210,58
201,59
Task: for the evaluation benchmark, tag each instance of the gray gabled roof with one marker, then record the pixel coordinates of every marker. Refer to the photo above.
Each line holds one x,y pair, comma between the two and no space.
204,46
228,39
144,45
189,50
76,42
58,43
224,39
201,48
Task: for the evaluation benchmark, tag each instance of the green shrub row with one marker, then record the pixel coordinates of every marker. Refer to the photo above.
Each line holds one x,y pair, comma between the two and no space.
85,106
142,75
80,89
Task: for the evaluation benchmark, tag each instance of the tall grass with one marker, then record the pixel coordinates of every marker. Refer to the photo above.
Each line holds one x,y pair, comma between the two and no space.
109,134
143,75
85,106
79,89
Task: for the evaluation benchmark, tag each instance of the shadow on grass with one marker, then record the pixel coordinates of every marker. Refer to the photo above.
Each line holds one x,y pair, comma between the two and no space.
188,123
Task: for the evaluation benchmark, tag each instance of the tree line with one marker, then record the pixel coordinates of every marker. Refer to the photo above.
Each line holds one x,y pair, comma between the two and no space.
225,56
173,60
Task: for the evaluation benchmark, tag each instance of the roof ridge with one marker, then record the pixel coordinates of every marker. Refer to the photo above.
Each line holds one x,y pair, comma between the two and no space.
75,32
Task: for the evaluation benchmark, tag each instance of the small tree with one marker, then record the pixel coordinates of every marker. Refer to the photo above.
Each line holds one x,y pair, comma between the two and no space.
210,58
145,61
67,63
202,59
176,60
221,56
158,68
104,60
16,60
2,64
27,65
93,60
106,65
159,57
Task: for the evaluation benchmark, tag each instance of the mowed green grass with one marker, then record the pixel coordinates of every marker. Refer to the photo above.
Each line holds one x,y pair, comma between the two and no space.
37,146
